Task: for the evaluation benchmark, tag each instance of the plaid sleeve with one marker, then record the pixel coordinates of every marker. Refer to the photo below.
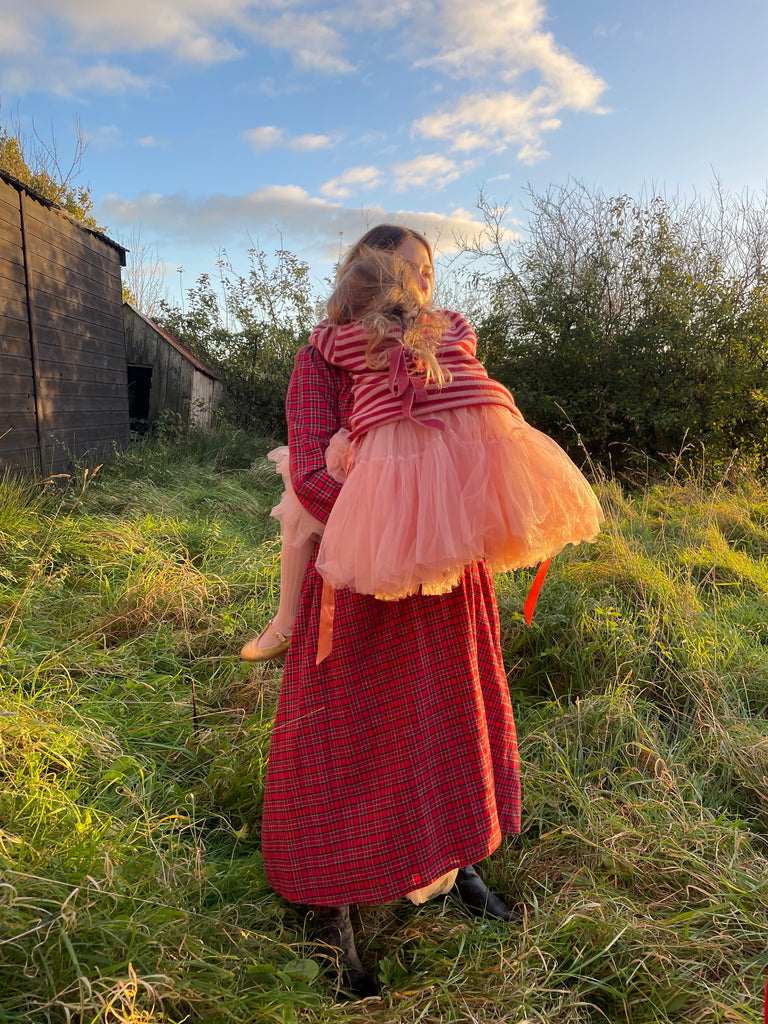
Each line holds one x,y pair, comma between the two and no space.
312,411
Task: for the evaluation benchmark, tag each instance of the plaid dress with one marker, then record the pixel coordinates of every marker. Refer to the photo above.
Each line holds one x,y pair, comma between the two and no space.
395,760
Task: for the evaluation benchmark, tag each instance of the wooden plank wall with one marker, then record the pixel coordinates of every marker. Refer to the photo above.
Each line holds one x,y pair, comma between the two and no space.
75,347
172,374
18,421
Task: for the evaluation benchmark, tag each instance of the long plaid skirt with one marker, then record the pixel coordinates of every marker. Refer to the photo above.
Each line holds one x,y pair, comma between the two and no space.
395,760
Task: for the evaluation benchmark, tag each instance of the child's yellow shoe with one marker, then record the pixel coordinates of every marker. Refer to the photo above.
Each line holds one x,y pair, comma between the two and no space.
257,650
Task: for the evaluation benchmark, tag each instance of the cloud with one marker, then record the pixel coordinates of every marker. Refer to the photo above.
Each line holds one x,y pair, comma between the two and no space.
505,41
310,143
216,218
268,137
104,138
373,14
152,141
429,170
493,122
313,42
265,137
64,77
15,37
190,31
202,32
499,38
604,30
304,220
351,180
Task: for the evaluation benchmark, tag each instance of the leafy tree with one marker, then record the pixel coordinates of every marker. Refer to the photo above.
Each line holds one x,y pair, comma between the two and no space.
249,330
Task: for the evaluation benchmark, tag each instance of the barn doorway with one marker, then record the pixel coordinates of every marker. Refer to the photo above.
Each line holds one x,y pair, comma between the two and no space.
139,389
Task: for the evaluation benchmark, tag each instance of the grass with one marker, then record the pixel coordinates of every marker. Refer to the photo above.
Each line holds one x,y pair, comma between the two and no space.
133,749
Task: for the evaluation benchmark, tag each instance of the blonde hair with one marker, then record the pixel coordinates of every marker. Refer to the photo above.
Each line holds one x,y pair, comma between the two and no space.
378,289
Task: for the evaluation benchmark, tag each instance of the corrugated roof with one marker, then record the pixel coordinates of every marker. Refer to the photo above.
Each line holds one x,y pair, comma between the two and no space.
40,198
175,343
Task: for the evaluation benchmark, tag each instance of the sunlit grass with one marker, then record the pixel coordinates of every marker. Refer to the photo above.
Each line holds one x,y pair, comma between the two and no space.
133,750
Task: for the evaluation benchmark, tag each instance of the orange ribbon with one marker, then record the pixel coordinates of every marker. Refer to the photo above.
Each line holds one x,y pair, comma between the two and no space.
533,593
325,629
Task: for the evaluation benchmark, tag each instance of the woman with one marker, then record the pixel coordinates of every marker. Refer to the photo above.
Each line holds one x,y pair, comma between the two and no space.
394,761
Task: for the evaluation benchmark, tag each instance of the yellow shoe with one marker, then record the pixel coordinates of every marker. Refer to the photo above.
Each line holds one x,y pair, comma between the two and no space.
254,652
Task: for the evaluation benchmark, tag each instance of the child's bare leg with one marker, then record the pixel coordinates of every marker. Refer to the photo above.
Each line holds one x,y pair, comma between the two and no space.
274,639
293,566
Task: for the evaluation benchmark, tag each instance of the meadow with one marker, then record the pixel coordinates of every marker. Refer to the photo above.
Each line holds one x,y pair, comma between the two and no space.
133,748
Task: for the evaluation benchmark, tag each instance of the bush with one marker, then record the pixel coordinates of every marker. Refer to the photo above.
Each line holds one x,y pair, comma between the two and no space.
642,322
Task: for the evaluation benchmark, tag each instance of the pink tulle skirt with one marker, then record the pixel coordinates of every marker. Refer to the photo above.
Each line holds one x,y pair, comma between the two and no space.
420,503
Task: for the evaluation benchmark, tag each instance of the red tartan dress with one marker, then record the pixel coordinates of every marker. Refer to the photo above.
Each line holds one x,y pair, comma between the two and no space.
395,760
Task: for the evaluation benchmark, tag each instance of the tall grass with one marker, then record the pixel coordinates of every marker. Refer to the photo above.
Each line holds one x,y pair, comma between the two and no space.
133,748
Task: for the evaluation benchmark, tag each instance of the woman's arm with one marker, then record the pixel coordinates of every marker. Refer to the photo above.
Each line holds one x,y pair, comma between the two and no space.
312,409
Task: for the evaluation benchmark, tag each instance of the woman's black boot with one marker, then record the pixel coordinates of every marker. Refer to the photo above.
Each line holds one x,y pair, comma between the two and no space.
478,898
334,929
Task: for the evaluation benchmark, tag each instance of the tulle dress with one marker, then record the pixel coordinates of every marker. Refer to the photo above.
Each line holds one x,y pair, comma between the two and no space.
428,492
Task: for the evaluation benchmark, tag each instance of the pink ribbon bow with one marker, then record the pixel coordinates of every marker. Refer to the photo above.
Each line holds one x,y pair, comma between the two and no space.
408,389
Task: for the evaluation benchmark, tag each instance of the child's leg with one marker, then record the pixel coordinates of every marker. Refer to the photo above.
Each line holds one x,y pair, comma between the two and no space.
293,566
274,639
299,531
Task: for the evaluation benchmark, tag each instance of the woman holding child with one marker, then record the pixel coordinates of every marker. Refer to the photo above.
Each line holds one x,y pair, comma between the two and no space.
393,765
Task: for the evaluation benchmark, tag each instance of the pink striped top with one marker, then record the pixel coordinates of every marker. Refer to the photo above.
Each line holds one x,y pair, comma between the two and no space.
398,392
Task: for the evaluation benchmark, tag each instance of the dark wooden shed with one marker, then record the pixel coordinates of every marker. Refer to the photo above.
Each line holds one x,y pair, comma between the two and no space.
63,383
164,376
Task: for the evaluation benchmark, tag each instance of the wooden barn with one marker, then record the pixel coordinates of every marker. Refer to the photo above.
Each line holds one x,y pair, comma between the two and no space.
164,376
63,387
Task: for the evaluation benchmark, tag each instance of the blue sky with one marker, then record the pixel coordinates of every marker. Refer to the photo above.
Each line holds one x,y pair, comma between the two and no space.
214,121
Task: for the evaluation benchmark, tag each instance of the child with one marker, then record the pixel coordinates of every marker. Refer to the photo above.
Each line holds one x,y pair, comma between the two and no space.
444,469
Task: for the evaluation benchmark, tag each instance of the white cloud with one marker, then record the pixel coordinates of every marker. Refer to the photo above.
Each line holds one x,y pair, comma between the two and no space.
313,42
265,137
197,31
152,141
217,218
373,14
62,76
504,40
351,180
432,169
303,219
268,137
310,143
190,31
494,122
15,37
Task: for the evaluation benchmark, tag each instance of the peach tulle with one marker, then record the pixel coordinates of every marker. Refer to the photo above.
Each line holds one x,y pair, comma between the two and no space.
337,455
296,524
420,503
439,887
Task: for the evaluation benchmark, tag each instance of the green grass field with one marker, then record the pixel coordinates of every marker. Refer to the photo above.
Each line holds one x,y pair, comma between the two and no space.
133,749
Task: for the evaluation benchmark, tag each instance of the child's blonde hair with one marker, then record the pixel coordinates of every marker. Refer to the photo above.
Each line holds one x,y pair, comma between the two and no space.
378,289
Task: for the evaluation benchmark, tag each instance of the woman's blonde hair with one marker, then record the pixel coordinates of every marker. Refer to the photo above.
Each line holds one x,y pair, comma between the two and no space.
380,290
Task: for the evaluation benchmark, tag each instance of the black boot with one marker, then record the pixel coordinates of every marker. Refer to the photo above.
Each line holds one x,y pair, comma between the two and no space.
334,930
478,898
